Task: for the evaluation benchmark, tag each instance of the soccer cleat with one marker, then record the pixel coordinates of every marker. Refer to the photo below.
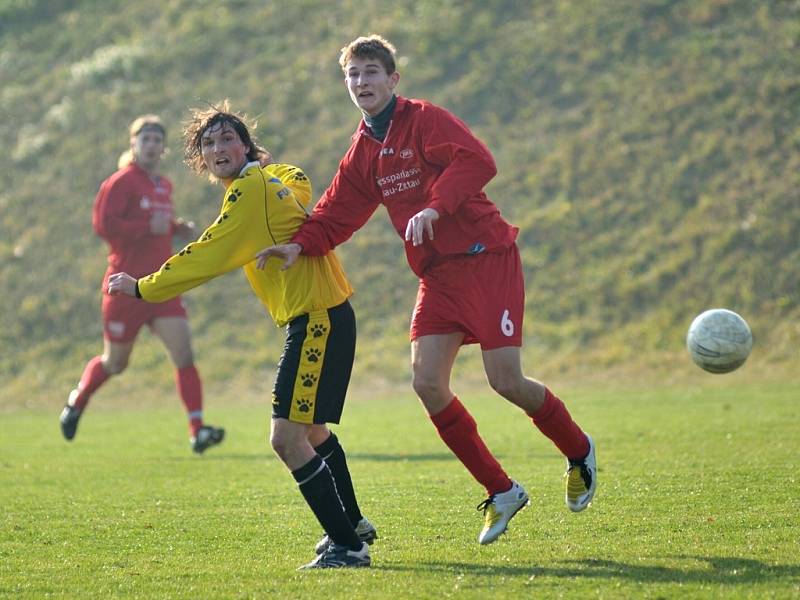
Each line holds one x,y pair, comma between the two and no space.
581,479
69,417
365,530
206,437
336,556
499,509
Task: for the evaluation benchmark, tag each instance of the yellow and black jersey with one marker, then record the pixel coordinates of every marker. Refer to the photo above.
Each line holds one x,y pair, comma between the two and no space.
262,207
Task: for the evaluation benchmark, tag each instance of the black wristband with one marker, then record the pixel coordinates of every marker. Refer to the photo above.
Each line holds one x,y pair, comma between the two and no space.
136,290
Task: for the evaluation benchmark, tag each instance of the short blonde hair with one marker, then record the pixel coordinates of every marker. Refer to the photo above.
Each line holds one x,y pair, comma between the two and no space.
149,121
370,46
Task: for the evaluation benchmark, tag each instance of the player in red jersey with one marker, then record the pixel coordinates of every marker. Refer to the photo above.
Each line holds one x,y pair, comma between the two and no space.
133,212
428,169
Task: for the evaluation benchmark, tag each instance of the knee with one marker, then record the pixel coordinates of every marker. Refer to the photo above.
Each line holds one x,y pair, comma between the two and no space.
318,434
115,366
508,387
285,446
183,358
427,387
280,445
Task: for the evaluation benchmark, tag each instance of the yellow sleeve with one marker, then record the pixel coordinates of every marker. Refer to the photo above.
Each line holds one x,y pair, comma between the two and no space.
295,179
232,241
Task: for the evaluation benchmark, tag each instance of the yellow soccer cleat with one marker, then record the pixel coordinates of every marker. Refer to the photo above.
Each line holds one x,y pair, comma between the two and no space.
581,479
499,509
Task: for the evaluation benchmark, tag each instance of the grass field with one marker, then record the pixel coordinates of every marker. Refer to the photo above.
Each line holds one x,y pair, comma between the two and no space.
697,498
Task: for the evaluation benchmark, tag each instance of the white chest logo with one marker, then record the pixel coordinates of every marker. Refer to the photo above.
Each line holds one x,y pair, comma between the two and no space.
406,153
144,203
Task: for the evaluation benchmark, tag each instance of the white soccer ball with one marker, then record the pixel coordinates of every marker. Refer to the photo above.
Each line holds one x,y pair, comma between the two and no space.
719,340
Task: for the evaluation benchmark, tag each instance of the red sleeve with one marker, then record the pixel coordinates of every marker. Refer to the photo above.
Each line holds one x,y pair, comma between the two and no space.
466,161
109,207
344,207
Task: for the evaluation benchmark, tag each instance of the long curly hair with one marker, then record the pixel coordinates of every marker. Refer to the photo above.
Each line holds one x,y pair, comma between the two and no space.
203,119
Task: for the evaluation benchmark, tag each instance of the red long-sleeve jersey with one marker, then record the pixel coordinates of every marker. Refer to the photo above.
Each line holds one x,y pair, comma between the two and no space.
429,158
121,216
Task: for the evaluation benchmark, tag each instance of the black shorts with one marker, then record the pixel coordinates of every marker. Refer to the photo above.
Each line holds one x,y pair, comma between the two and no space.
314,370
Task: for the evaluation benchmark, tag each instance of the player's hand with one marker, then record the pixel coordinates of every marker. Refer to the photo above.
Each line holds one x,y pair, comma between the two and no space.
288,252
185,229
420,224
160,222
121,283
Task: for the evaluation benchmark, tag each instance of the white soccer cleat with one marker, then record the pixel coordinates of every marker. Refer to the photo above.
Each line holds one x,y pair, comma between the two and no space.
365,530
499,509
581,479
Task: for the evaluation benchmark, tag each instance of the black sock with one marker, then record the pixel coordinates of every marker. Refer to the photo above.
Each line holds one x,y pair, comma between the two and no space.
333,455
317,486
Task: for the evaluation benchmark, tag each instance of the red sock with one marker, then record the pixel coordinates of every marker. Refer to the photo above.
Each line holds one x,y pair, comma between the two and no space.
553,420
460,432
190,389
94,375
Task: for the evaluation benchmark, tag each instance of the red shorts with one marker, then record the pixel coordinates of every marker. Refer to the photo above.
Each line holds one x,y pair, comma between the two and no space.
482,296
124,316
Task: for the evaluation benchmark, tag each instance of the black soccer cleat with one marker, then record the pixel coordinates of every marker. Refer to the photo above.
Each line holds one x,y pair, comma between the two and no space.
69,420
365,530
337,557
206,437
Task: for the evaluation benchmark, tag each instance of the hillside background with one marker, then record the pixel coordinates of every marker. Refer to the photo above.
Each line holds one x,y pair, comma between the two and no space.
649,150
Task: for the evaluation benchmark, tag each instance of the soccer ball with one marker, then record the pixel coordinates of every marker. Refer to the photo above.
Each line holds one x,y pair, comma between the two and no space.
719,340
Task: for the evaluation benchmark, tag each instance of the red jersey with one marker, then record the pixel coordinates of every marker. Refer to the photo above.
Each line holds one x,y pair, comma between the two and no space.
121,216
428,159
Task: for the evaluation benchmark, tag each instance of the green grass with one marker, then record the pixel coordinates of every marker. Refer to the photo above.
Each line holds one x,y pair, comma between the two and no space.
697,498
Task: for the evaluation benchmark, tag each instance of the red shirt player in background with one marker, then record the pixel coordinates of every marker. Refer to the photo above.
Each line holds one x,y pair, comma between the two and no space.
133,212
428,169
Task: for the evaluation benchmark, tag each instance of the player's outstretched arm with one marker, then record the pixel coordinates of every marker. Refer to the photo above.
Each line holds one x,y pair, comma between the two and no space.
121,283
288,252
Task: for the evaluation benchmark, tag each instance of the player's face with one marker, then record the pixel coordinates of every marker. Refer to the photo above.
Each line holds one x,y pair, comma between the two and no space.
370,86
148,148
224,153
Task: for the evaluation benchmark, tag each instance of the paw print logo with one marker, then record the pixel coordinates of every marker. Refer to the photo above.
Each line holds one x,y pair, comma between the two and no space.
303,404
318,330
234,195
206,237
313,355
309,379
187,250
222,218
300,176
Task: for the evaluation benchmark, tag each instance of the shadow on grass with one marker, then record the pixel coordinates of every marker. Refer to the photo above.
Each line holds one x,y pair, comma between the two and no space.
400,457
268,456
264,456
716,570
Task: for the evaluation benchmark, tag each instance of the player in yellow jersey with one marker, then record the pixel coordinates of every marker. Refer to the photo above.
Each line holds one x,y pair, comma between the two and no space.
265,205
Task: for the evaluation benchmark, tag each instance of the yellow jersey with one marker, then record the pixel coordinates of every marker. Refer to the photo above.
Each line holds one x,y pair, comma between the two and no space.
262,207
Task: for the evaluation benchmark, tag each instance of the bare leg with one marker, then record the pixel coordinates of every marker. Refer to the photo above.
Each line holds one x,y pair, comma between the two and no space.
504,372
432,360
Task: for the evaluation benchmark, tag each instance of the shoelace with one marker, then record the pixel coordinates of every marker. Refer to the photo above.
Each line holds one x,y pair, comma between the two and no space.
484,506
